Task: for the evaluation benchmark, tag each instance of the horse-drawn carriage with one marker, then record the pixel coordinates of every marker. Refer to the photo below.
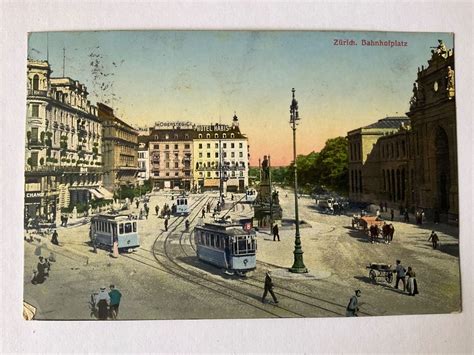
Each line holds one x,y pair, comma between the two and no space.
380,270
364,222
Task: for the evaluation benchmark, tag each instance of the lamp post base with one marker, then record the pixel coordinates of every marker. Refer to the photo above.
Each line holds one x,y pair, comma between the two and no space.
298,264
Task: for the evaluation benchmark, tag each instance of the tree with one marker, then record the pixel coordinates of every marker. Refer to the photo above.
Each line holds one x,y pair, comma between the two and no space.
331,165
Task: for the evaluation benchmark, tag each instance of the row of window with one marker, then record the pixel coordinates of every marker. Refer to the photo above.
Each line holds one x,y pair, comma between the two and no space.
243,245
167,146
157,173
394,150
111,228
224,155
355,151
216,174
356,181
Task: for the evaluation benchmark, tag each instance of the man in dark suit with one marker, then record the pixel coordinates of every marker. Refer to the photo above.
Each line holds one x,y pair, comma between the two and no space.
268,288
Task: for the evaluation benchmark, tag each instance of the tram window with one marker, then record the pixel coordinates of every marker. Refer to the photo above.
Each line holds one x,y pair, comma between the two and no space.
121,228
134,226
242,245
212,240
128,227
107,227
218,240
207,238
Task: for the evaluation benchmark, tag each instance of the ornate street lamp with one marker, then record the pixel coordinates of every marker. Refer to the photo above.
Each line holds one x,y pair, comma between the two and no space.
298,264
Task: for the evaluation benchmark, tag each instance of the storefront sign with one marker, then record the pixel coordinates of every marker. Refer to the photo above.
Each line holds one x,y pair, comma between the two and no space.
33,197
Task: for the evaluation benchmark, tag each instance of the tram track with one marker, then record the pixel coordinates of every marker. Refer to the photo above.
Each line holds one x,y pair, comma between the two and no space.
167,262
174,267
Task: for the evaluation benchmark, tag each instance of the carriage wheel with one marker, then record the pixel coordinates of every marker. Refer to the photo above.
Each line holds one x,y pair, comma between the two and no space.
389,277
372,275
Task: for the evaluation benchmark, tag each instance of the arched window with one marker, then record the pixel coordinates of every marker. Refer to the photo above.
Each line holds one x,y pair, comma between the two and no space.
216,135
36,82
208,135
232,135
199,136
224,135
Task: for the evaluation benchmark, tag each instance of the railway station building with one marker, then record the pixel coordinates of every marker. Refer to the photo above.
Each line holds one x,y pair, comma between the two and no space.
413,164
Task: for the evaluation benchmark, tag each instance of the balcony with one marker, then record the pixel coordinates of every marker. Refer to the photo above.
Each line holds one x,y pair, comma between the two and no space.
32,92
35,144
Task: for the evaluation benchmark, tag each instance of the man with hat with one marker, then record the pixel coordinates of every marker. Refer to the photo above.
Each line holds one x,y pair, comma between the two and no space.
353,306
102,301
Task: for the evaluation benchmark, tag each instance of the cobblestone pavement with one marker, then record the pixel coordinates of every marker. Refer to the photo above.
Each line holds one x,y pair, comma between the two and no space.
334,253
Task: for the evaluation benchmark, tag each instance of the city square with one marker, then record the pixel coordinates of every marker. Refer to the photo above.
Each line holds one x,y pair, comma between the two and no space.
171,210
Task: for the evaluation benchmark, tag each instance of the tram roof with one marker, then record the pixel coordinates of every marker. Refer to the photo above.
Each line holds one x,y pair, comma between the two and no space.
227,228
116,217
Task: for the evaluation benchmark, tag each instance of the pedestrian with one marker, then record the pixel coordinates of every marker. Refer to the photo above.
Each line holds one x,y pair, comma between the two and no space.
66,218
275,232
406,216
385,232
352,308
208,207
373,233
39,274
203,213
186,225
268,287
62,219
54,238
434,239
146,213
391,232
137,203
115,297
93,238
412,286
166,223
401,273
392,214
102,301
422,216
157,209
115,248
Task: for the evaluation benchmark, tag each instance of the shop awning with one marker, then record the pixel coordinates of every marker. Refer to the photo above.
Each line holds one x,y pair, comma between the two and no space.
211,183
106,193
96,193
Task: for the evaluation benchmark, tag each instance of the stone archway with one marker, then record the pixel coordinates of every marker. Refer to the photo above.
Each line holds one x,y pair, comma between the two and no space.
442,172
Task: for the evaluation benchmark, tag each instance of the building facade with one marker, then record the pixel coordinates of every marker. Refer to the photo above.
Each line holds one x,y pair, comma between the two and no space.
143,159
413,164
365,180
119,149
220,150
170,151
62,146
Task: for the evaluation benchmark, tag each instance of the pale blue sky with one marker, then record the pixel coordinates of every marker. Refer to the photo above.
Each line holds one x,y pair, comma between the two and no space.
202,76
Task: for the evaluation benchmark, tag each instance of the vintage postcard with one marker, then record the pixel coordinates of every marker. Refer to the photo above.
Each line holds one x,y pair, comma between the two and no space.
240,174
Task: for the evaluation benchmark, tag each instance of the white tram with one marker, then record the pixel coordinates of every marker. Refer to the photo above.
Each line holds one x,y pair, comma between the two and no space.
250,195
226,245
182,207
106,227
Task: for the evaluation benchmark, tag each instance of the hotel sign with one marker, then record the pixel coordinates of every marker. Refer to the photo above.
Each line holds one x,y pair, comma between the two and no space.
174,124
213,128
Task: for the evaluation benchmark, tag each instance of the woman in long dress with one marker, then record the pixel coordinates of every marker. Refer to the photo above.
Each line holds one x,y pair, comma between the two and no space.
412,286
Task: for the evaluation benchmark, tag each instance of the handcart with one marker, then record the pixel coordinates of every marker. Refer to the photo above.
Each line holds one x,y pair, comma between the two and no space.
379,270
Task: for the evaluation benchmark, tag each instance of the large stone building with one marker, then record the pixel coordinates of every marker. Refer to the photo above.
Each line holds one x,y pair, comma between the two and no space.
413,165
62,146
221,150
119,149
170,152
364,158
143,159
